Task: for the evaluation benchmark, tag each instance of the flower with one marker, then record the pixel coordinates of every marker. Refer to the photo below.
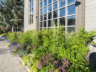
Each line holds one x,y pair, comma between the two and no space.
39,64
8,40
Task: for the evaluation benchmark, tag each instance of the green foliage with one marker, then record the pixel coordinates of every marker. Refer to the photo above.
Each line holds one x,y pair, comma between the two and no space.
11,13
46,37
31,62
69,46
12,37
93,43
20,38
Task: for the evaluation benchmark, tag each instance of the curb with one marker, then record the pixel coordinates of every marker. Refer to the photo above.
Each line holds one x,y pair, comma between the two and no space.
26,67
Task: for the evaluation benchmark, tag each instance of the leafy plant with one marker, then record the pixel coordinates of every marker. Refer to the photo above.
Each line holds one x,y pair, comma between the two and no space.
93,43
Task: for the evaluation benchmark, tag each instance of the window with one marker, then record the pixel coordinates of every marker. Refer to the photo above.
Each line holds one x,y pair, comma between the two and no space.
31,12
58,12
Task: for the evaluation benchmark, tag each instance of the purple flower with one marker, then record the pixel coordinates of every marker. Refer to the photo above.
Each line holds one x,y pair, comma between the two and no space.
8,40
55,62
52,70
39,64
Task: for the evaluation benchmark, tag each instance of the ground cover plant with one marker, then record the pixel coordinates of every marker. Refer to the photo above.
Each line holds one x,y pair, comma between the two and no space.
51,50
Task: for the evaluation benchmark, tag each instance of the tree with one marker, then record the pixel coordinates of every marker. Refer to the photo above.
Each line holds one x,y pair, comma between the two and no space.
11,13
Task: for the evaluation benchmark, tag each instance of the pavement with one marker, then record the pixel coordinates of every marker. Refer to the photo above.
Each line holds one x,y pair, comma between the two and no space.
8,62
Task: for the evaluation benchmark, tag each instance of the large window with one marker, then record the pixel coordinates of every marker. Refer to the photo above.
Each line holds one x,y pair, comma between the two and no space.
58,12
30,11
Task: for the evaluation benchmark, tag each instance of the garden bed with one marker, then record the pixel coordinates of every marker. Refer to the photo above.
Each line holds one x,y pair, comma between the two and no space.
52,50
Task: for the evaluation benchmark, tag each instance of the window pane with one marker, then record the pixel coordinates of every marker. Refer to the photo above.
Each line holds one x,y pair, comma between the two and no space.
55,14
71,29
50,15
29,21
41,0
62,21
41,11
32,18
54,0
32,11
45,3
62,3
45,16
45,10
49,1
49,8
71,1
41,18
50,23
55,6
71,9
44,23
62,12
71,20
32,1
42,5
40,28
40,24
32,5
55,21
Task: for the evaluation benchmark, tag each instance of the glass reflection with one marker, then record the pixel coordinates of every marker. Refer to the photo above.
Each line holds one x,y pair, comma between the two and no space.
54,0
44,23
40,24
62,12
49,1
71,1
41,0
42,5
55,6
49,23
50,15
49,8
62,21
32,11
55,14
41,18
41,11
45,10
71,20
62,3
45,16
55,21
71,29
32,5
45,3
71,9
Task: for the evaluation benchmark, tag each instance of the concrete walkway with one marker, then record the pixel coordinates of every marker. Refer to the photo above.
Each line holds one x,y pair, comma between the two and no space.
8,62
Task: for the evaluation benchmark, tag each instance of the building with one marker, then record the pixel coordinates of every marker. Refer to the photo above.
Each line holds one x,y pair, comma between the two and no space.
72,14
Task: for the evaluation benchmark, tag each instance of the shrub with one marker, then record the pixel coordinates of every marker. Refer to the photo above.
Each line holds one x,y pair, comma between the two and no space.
68,50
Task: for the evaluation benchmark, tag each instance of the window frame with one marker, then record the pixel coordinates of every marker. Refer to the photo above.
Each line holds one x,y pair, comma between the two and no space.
58,9
31,11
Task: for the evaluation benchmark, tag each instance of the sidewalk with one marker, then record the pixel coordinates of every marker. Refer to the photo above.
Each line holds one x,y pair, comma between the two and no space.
8,62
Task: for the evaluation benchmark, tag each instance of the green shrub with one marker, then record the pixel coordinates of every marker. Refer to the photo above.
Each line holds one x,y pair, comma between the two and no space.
69,46
12,37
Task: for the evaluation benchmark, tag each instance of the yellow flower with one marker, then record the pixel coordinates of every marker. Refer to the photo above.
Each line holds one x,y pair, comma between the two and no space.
33,69
7,46
56,70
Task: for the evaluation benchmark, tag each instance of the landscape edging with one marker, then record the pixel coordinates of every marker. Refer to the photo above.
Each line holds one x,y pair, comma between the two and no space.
26,67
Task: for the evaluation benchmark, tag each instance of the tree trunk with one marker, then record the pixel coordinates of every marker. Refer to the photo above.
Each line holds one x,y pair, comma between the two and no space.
13,28
17,28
